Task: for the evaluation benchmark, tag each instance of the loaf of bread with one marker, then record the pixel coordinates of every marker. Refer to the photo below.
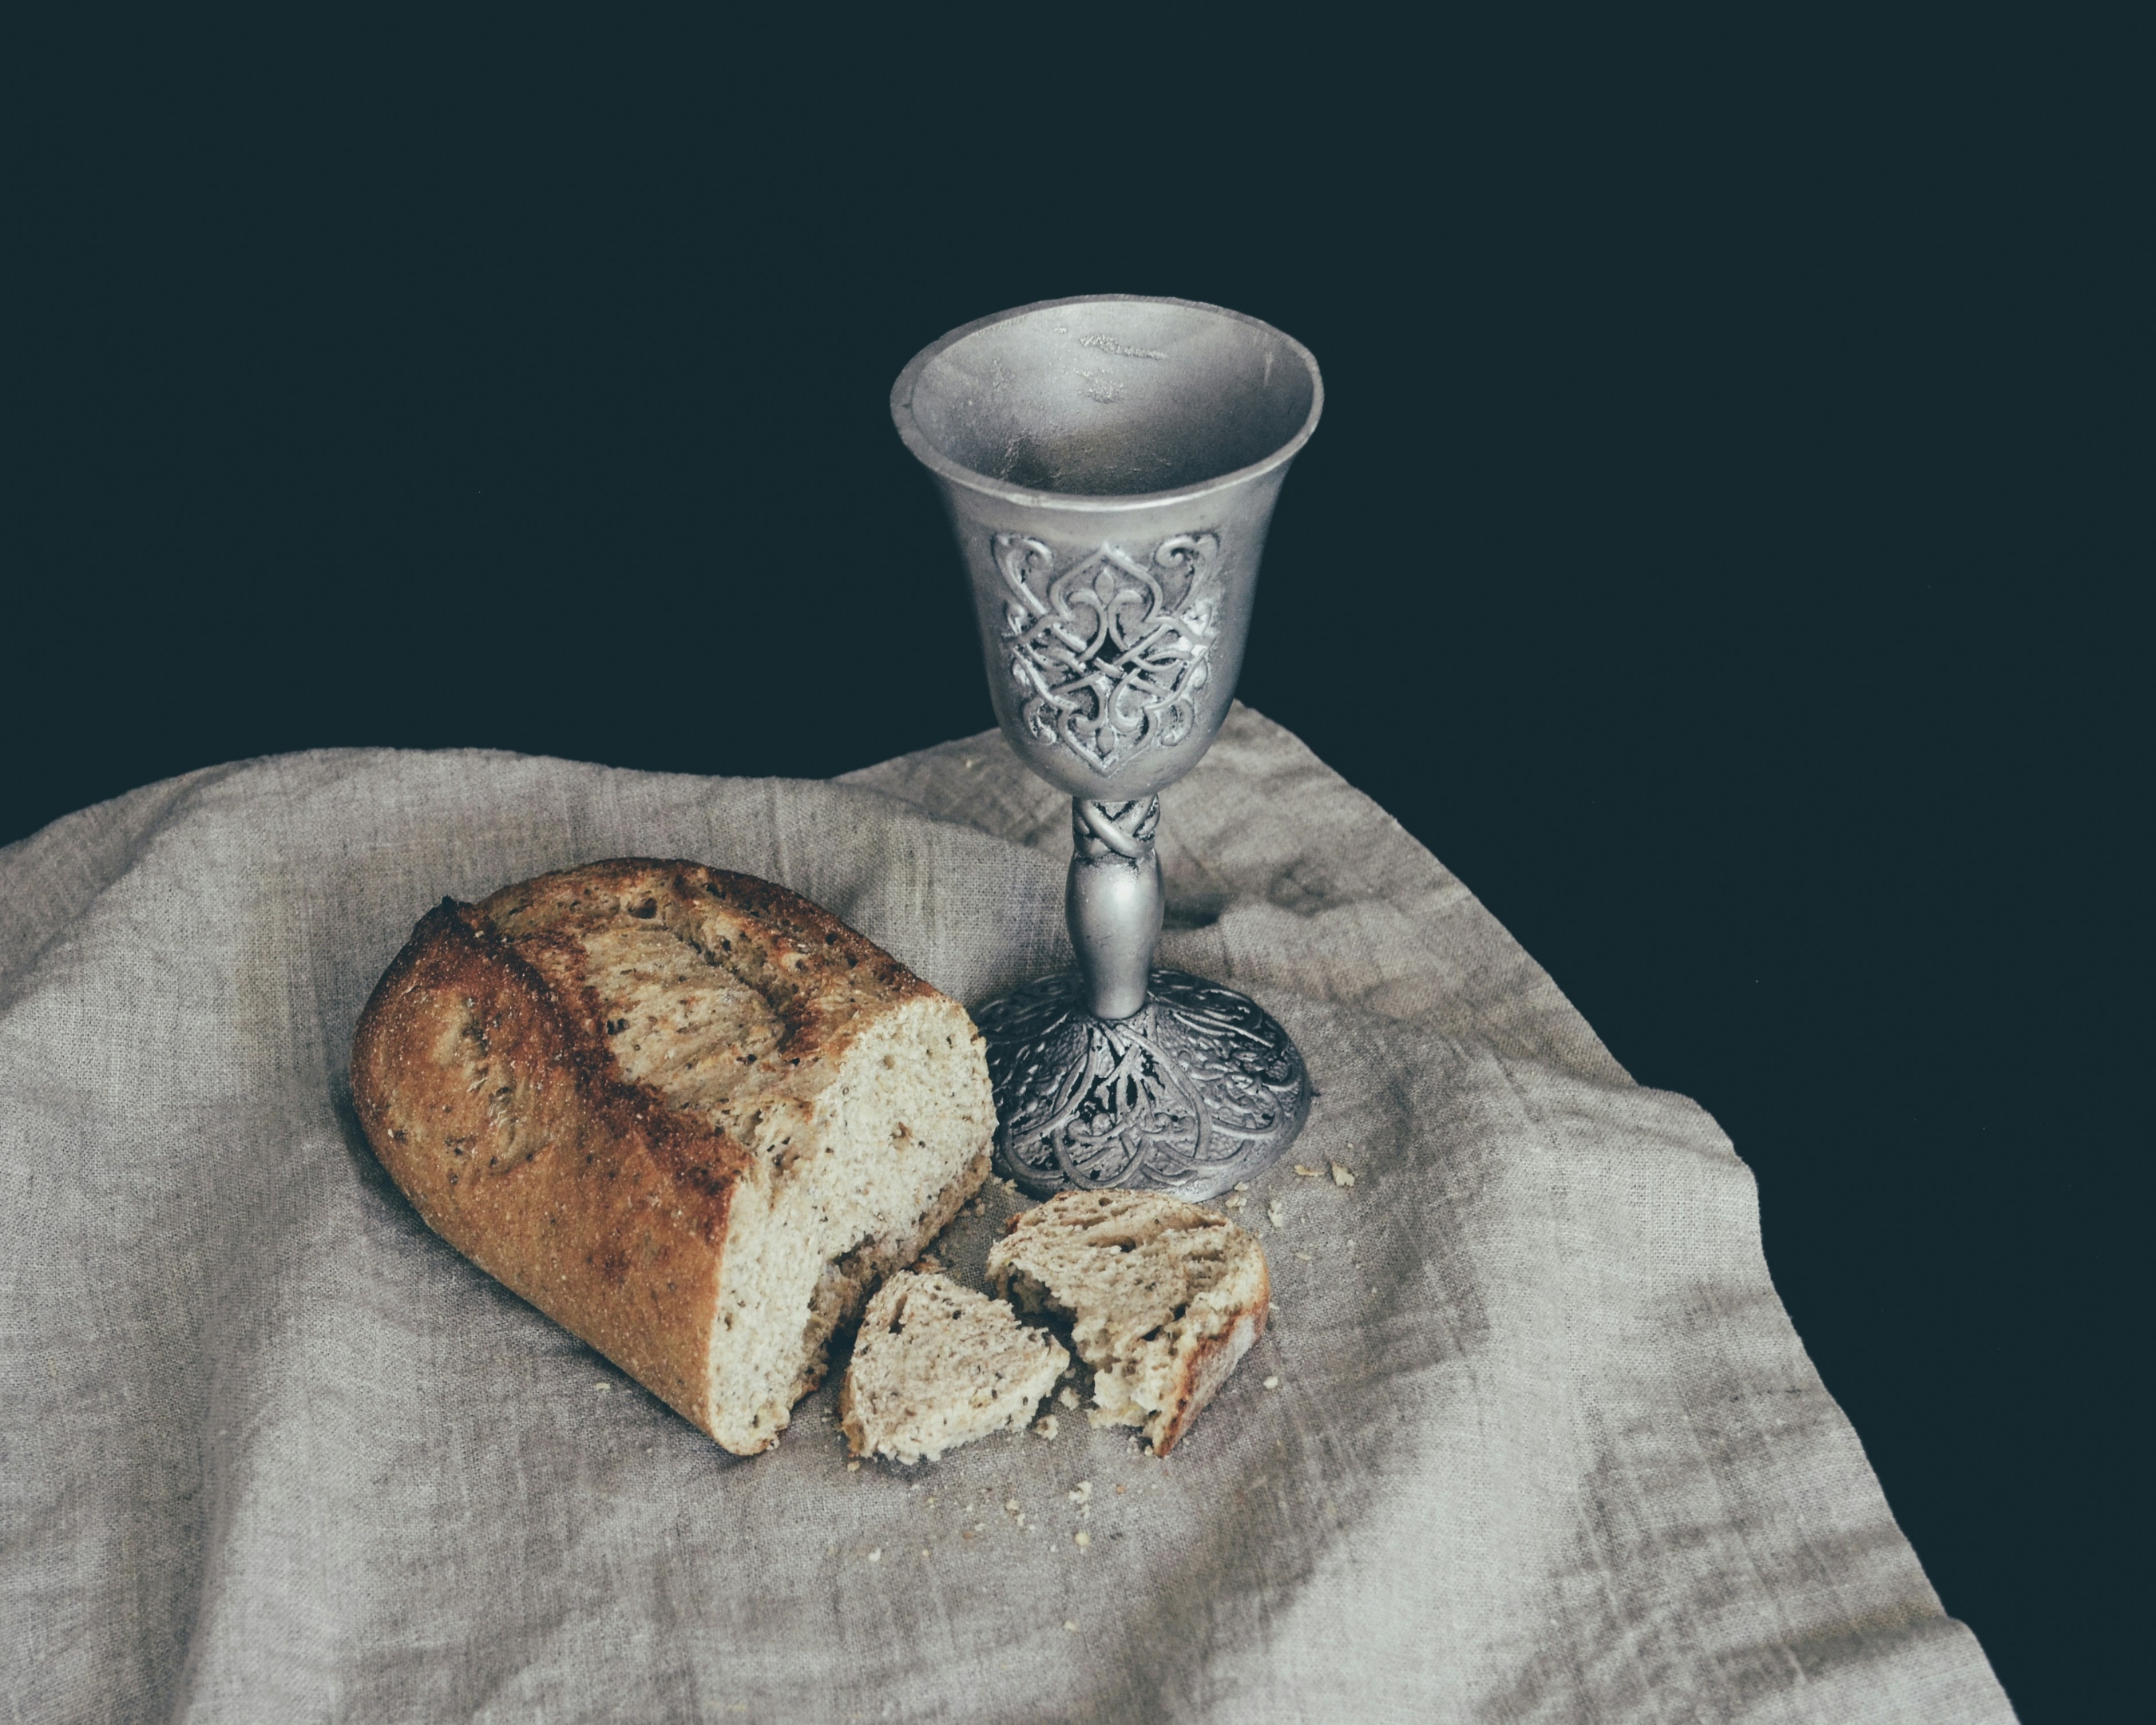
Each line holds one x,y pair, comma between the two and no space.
937,1365
687,1114
1163,1298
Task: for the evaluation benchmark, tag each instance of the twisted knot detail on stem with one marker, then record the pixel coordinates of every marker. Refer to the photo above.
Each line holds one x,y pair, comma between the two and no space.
1101,830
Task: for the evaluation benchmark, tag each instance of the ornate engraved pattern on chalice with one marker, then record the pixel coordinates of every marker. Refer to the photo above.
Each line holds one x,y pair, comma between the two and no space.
1199,1086
1109,653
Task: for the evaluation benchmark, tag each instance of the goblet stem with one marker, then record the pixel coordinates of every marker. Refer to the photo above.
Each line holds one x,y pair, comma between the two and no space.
1113,900
1125,1075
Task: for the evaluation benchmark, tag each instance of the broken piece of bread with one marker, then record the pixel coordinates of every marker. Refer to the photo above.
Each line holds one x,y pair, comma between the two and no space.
1163,1298
938,1365
688,1115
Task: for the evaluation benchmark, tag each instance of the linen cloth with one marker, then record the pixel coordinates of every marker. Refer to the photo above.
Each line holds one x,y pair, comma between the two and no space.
1543,1445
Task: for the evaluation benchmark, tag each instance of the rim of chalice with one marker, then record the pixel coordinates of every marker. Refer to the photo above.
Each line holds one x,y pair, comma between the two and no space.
932,455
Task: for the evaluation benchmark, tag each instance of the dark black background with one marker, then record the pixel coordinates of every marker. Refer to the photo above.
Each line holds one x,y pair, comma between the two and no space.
1711,549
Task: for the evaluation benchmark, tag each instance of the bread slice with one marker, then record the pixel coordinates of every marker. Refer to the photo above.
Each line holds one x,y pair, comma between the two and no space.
687,1114
1163,1298
938,1365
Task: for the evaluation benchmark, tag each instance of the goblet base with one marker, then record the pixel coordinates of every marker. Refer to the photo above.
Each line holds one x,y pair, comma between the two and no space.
1198,1088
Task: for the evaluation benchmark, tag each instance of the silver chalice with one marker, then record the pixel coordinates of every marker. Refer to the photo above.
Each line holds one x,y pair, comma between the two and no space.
1110,465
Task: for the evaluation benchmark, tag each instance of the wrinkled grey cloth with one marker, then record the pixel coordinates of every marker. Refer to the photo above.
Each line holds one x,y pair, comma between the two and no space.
1531,1439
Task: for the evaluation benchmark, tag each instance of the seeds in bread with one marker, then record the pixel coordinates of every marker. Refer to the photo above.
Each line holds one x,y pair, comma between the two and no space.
687,1114
937,1365
1163,1298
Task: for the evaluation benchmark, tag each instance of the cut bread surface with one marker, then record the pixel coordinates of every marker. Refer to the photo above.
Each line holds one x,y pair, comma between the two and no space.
1163,1298
688,1114
937,1365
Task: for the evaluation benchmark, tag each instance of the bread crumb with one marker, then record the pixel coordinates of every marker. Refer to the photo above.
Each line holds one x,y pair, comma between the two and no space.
1272,1383
1081,1537
1082,1492
1011,1507
1119,1491
1242,1185
853,1467
1306,1174
877,1555
1275,1216
1069,1625
1341,1176
1068,1397
1045,1425
1235,1202
924,1550
1303,1257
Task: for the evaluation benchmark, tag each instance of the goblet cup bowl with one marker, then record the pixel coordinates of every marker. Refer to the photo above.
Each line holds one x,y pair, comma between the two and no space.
1110,466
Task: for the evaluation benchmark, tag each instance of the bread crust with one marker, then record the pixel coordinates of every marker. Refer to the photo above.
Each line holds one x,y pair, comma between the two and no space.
483,1077
1208,1368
